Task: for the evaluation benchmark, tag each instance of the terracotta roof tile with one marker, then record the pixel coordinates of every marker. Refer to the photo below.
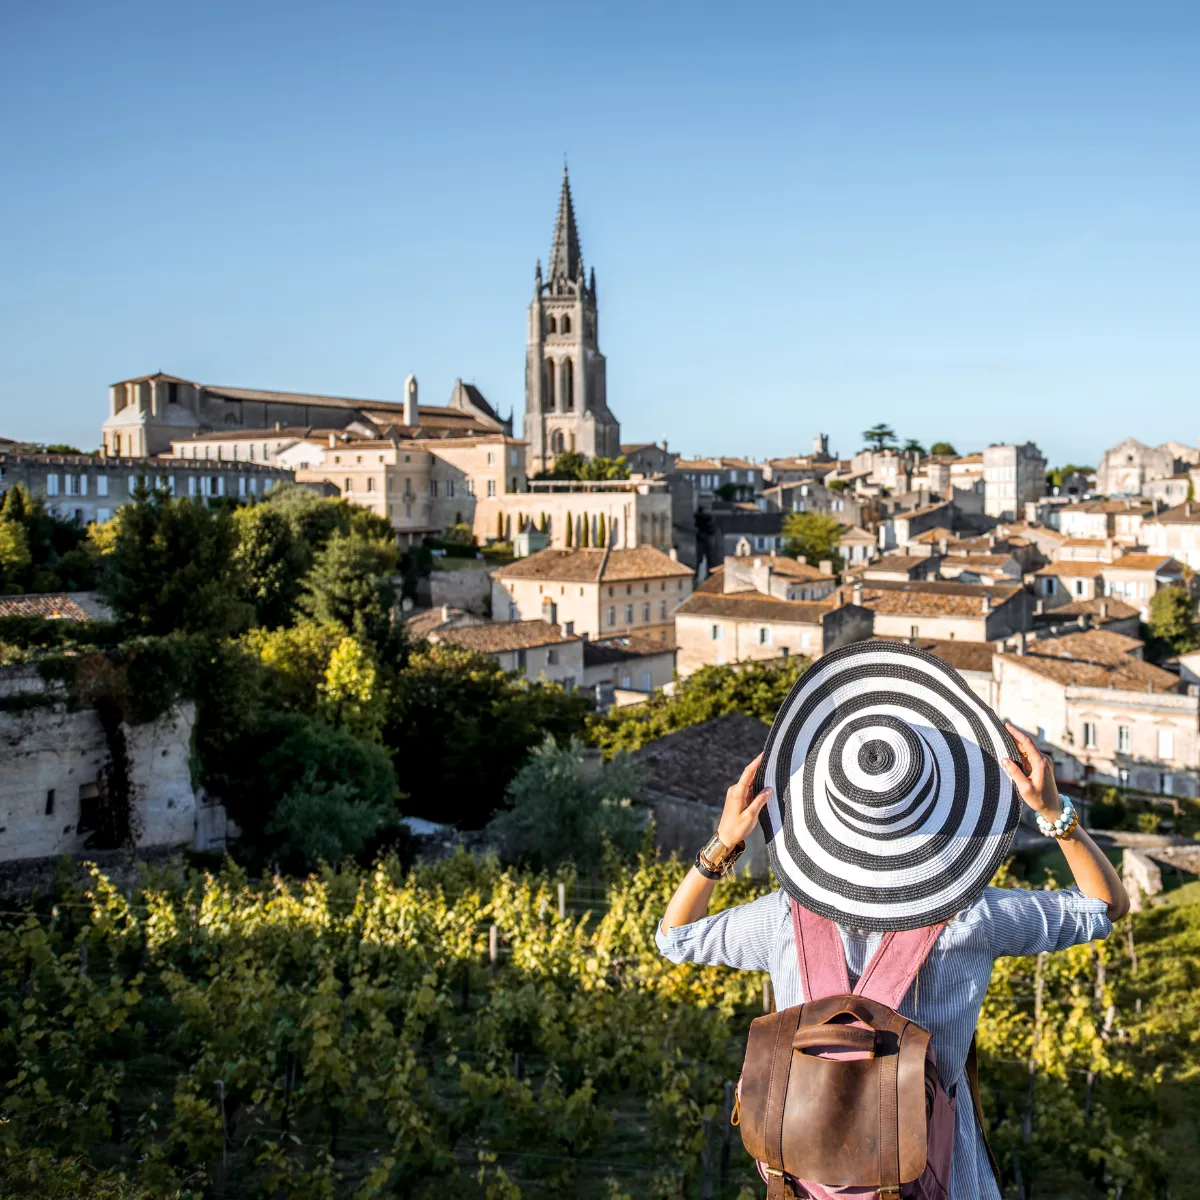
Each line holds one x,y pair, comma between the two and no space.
754,606
935,598
1142,562
1187,513
628,648
961,655
700,762
1083,566
56,606
595,566
1116,609
492,637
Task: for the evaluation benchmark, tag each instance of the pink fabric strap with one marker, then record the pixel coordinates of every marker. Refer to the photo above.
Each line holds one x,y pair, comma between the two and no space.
886,978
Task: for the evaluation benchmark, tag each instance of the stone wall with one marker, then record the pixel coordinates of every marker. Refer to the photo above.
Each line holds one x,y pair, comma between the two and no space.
51,765
469,588
683,826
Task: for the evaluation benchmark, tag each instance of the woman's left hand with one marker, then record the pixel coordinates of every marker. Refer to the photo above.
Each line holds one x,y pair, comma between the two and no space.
1033,776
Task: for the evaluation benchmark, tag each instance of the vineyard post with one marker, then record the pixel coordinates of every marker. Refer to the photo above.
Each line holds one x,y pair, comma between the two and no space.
562,899
493,946
706,1159
726,1131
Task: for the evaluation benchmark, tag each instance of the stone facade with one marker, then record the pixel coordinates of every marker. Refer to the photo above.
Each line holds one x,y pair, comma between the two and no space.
947,611
1130,465
51,766
1175,532
625,513
91,487
566,405
1013,476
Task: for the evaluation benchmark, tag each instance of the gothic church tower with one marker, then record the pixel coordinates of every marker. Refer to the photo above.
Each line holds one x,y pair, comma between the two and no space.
565,405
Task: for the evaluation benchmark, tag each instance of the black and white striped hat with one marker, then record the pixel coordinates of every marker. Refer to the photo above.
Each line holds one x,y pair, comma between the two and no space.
890,807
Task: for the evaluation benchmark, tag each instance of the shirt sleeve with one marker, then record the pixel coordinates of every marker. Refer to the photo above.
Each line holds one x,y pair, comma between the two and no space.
739,937
1024,922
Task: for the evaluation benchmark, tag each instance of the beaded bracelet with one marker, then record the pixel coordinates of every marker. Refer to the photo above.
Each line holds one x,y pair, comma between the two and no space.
1065,825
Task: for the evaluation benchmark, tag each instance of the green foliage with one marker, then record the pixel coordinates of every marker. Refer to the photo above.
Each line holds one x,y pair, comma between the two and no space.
838,486
318,821
349,586
459,728
23,638
756,689
571,464
880,436
40,552
351,695
1055,476
459,534
172,568
270,561
1107,809
814,535
943,449
296,662
291,753
559,812
1173,619
912,446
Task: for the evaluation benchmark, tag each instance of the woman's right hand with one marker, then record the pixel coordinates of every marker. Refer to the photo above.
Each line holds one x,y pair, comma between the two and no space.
742,808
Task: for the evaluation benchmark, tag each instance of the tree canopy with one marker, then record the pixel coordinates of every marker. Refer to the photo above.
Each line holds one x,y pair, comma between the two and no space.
943,450
570,464
1173,619
879,437
814,535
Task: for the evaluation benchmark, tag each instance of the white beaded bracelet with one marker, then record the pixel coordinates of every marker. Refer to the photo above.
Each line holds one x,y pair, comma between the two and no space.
1064,826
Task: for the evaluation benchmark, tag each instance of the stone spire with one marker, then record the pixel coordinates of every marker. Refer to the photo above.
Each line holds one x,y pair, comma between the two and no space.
564,250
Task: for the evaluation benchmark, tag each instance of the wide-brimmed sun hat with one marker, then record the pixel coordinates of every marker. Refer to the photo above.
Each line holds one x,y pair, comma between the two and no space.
890,808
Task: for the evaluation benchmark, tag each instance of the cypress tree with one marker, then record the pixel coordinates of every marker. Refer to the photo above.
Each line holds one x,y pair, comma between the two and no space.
601,533
570,531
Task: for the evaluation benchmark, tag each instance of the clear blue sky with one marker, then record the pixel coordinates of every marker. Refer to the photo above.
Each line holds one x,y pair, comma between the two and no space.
974,221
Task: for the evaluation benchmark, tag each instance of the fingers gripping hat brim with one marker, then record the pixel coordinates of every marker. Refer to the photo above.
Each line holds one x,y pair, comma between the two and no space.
890,809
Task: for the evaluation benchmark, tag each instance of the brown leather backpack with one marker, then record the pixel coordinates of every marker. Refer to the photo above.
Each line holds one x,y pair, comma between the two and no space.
841,1094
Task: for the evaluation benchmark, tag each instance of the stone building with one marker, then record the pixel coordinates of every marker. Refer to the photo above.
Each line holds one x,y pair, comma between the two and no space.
1130,465
602,593
148,414
1101,712
1120,520
566,406
1175,532
739,615
966,612
534,648
91,487
584,514
627,669
1013,476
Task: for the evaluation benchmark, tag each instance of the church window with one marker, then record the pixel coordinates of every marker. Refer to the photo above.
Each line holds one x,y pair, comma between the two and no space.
566,324
552,326
568,404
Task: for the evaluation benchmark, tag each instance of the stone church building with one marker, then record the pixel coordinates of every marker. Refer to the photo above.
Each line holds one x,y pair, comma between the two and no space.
565,400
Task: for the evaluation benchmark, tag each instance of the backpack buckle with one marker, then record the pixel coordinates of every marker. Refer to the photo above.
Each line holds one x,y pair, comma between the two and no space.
889,1193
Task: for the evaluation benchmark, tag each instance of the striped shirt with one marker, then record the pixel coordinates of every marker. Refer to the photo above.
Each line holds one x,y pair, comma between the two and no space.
948,993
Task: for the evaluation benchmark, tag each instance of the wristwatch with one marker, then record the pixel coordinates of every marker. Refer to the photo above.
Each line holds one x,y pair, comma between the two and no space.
715,860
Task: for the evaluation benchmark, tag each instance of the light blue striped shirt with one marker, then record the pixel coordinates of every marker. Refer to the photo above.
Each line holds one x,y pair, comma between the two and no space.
950,988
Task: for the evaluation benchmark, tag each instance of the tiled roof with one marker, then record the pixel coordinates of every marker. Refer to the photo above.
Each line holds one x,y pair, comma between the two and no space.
961,655
625,649
492,637
1143,562
1116,609
595,566
700,762
1085,543
1109,506
924,510
899,562
856,533
53,605
1086,567
1187,513
1097,658
982,562
780,564
428,620
934,598
753,605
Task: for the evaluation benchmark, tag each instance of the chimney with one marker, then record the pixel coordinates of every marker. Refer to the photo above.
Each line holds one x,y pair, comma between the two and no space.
278,426
1039,607
1104,610
944,546
412,413
858,594
825,566
673,554
987,605
1021,644
802,558
332,440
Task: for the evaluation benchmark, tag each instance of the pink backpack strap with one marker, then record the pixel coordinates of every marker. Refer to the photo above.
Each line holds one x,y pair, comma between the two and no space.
886,978
894,966
821,954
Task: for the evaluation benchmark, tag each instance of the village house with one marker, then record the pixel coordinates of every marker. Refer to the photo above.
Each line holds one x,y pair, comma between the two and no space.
1088,549
981,568
972,660
1130,465
602,593
537,649
649,458
1101,712
1120,520
1012,477
857,546
902,566
740,529
810,496
1136,577
91,487
574,514
627,669
1101,612
1058,582
1175,532
946,611
708,476
733,617
902,527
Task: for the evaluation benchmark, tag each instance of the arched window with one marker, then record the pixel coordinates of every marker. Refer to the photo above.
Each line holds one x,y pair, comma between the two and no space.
548,383
556,441
550,326
568,385
566,324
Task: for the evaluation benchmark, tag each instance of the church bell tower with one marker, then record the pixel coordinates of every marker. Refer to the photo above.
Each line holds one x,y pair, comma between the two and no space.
565,401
